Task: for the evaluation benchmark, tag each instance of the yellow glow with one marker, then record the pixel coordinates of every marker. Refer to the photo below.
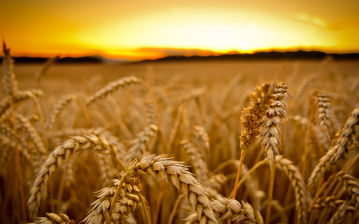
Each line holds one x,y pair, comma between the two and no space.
151,31
220,31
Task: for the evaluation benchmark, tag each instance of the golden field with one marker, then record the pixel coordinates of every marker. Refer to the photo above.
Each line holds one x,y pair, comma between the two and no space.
163,142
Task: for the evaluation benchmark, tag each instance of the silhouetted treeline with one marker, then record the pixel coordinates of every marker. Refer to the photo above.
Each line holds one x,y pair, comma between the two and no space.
268,55
64,60
308,55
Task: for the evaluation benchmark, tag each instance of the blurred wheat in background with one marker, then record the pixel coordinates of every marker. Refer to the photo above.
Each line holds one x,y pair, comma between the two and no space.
240,142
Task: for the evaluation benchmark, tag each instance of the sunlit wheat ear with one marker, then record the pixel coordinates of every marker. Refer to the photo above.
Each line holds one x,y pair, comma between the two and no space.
58,108
55,160
250,121
270,132
182,179
9,81
340,147
322,102
32,132
112,87
271,123
126,203
196,160
52,218
252,115
139,145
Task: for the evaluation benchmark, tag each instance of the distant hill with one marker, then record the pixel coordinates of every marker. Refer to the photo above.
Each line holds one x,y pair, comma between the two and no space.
270,55
267,55
64,60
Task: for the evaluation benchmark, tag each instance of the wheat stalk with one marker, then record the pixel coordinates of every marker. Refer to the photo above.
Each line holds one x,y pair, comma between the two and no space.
46,67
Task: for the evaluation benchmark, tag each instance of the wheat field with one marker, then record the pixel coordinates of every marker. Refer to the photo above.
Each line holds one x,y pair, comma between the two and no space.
180,142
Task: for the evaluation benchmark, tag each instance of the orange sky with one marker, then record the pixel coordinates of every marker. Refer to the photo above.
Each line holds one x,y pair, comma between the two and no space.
140,29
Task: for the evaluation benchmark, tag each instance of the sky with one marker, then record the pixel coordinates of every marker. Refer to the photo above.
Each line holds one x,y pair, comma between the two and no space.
140,29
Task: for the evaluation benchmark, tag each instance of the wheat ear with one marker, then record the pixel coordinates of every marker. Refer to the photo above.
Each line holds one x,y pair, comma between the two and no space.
126,202
113,86
55,160
9,81
351,185
8,101
182,179
271,123
57,110
341,212
52,218
340,147
229,209
270,132
139,145
32,132
328,202
302,197
250,120
196,160
323,102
